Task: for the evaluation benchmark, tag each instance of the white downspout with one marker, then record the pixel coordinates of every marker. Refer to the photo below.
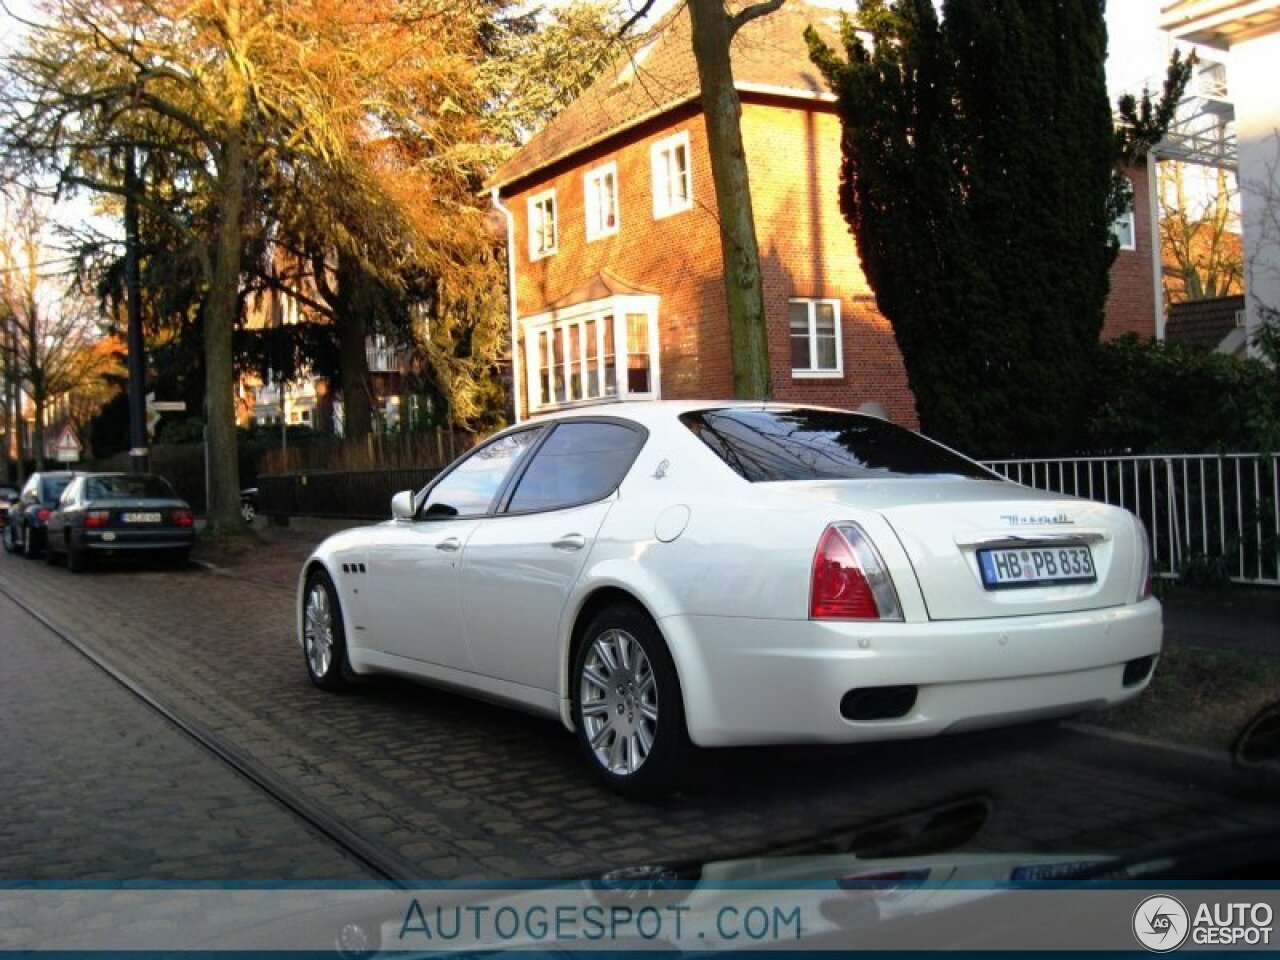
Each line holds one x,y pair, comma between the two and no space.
517,381
1157,260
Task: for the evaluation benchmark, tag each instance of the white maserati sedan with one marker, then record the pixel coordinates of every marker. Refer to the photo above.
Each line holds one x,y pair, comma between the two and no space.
661,576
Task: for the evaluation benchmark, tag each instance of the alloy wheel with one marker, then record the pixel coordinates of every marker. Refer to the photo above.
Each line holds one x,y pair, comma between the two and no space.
619,702
318,630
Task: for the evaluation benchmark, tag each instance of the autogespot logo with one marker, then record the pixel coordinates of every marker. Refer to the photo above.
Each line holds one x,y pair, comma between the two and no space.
1161,923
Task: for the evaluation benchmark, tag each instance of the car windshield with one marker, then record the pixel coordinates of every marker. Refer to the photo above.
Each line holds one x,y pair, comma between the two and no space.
127,487
804,444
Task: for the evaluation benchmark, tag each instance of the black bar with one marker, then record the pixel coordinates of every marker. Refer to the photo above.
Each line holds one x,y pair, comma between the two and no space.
139,456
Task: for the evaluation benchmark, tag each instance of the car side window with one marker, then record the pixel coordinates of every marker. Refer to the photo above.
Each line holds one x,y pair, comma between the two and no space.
581,462
469,489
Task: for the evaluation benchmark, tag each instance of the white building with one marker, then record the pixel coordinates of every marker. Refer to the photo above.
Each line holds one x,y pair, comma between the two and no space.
1248,31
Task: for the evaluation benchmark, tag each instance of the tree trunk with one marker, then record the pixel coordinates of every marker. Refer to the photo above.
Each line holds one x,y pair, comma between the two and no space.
38,404
6,357
351,313
219,321
712,33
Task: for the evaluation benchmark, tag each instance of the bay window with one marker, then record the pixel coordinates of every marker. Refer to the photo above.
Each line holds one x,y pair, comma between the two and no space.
598,351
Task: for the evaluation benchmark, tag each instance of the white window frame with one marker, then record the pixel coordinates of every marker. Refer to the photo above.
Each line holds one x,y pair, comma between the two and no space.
592,186
663,203
557,323
1131,224
813,372
536,250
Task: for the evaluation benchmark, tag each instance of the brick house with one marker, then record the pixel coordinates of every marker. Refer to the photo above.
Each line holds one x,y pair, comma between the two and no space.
615,247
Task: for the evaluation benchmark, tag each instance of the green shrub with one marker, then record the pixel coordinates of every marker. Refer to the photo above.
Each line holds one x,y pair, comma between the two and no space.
1151,397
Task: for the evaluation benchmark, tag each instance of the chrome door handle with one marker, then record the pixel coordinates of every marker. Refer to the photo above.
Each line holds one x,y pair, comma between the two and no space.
449,545
570,541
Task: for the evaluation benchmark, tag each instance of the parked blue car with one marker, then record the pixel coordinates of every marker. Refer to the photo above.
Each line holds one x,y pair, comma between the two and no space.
27,529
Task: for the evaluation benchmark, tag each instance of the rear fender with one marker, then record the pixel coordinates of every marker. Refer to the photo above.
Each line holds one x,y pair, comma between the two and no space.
648,592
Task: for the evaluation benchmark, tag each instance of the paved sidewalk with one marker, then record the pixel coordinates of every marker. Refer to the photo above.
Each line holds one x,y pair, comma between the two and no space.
1235,618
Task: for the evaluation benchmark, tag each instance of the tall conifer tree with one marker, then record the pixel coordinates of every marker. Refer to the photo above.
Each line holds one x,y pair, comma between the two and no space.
979,159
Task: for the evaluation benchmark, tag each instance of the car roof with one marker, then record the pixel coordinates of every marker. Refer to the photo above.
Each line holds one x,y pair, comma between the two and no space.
651,412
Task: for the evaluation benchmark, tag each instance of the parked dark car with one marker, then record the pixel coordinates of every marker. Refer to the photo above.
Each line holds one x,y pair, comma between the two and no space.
248,504
103,514
29,517
8,497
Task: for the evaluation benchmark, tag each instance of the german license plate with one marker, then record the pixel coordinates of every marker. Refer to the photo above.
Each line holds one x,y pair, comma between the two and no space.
1036,566
140,517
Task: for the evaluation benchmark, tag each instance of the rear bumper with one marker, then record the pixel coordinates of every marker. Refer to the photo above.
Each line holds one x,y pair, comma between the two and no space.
773,681
124,541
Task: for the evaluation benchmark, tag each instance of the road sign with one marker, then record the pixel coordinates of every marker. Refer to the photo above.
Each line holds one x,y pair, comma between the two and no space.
67,449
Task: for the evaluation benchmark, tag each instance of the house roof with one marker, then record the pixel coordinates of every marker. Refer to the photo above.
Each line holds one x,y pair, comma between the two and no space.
1207,325
603,285
657,73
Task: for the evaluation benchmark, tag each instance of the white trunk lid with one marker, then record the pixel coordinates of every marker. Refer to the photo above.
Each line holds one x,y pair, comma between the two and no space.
944,524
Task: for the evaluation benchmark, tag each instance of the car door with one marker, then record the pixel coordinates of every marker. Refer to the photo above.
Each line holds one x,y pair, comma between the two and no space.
58,515
518,568
412,570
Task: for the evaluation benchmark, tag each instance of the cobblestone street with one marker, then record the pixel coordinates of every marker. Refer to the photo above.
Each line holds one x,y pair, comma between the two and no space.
102,788
455,788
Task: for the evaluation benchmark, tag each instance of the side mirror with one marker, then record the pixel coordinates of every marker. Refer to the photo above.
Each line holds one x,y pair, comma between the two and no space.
402,506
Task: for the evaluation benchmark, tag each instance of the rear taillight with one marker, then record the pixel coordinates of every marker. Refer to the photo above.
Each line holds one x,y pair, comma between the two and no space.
182,518
1144,554
97,518
850,581
43,514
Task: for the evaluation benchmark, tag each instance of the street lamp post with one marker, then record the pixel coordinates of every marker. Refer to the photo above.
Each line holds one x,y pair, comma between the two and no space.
139,455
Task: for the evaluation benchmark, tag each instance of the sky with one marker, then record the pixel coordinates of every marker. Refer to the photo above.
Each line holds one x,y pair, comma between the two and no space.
1138,50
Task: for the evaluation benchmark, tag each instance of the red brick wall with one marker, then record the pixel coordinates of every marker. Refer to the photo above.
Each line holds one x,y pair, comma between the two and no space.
807,251
1131,303
678,255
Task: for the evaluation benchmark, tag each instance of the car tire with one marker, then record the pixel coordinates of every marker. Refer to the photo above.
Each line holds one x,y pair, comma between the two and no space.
181,558
77,558
51,556
9,545
30,549
627,708
324,639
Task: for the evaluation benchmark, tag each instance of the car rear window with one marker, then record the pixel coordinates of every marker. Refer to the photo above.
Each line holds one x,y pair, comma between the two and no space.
51,490
804,444
127,487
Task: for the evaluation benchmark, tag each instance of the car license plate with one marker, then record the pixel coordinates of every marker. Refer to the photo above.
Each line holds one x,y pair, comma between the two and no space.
140,517
1036,566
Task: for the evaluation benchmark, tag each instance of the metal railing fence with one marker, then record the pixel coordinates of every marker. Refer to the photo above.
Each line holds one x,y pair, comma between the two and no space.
1198,508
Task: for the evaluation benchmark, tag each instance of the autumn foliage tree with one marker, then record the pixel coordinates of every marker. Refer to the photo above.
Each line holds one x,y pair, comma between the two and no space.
58,355
350,133
1200,242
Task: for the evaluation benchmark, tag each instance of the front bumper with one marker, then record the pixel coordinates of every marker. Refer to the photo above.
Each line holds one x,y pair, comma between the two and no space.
773,681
